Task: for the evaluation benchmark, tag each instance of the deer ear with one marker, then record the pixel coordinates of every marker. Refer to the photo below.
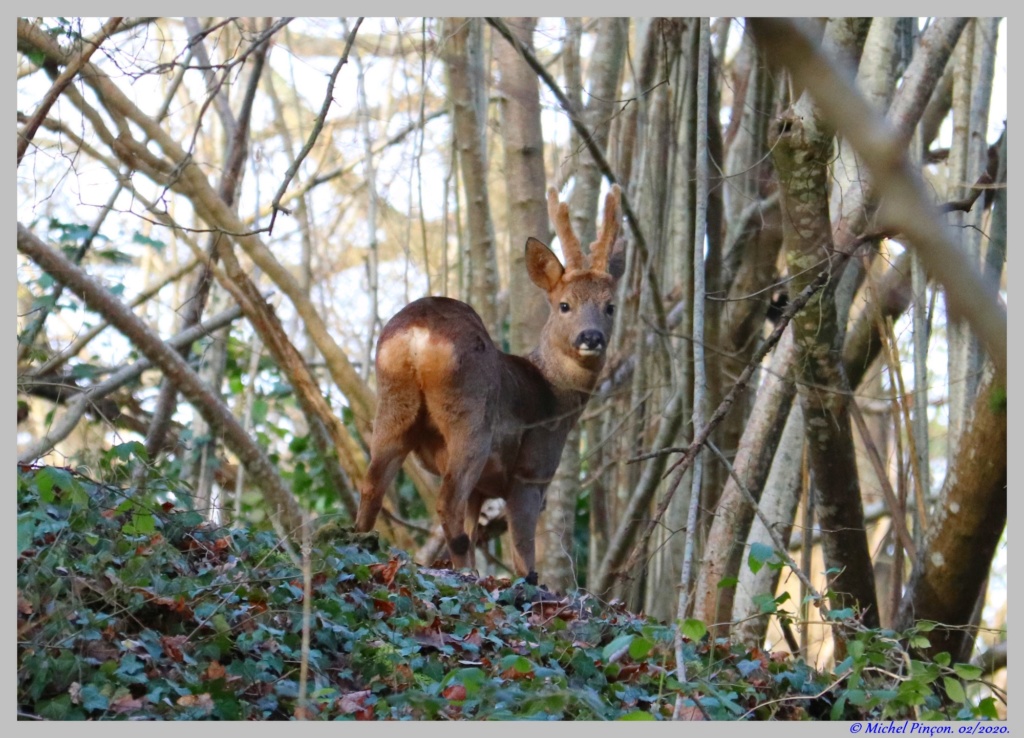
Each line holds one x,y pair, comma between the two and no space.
617,261
542,265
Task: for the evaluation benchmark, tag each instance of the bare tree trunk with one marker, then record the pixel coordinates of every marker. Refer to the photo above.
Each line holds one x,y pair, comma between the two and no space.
779,502
953,565
557,540
723,551
972,89
523,142
463,53
668,544
603,73
700,396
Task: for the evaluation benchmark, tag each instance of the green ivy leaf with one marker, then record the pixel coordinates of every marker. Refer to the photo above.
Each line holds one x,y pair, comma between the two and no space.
639,648
92,699
841,614
620,643
26,532
855,649
694,629
987,708
759,554
637,715
765,602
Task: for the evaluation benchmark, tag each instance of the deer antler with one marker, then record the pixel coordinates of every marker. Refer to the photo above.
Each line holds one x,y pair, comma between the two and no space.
559,214
601,248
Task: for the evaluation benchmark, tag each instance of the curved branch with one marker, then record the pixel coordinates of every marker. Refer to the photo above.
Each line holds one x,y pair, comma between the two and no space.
77,406
206,402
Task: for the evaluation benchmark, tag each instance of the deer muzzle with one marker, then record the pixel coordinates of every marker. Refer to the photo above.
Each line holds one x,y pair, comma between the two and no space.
590,343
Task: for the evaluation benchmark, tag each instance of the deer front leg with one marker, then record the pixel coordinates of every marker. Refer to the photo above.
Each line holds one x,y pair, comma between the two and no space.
523,507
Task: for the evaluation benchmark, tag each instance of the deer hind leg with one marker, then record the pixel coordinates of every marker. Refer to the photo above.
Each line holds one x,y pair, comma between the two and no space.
467,455
388,450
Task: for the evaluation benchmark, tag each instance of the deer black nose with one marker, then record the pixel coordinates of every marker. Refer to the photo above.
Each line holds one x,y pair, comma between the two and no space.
591,340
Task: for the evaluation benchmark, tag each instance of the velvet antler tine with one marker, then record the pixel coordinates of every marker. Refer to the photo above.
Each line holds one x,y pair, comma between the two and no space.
559,214
602,247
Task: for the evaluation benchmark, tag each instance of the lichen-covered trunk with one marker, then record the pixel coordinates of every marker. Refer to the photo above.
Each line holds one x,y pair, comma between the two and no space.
802,150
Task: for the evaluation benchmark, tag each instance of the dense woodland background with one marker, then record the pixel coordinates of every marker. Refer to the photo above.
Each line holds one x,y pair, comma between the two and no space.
216,216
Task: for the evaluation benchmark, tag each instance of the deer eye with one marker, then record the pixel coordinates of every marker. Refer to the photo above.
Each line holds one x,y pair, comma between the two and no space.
563,306
610,310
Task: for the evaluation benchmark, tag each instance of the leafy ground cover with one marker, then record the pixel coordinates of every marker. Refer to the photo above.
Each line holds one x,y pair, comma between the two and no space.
132,609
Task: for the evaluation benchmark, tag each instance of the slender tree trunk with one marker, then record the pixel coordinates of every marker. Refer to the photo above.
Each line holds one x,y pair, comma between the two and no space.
523,143
463,53
556,534
972,89
733,517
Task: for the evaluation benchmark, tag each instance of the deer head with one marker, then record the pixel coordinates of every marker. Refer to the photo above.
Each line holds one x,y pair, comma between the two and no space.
581,294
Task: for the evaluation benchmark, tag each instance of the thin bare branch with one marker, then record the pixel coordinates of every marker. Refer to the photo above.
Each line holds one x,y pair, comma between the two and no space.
318,125
74,65
77,406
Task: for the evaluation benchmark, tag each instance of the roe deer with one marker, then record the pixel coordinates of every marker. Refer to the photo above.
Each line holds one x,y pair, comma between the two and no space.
493,424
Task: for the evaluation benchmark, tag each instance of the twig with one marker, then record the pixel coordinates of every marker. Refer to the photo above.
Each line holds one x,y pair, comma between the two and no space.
26,134
318,125
883,480
302,709
780,546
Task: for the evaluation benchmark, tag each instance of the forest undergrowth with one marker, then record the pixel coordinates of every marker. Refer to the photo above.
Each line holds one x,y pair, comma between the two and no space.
132,608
